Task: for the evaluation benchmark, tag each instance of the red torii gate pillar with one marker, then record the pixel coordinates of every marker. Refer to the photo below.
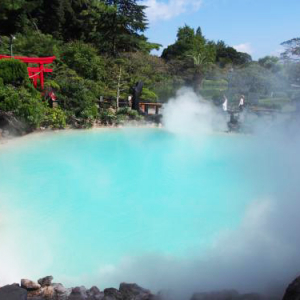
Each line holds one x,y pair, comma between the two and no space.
35,73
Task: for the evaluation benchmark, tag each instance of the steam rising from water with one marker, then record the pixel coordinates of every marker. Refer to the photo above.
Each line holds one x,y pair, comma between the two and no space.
188,114
261,254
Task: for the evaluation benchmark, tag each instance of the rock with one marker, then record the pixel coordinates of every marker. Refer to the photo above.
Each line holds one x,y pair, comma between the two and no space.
11,125
293,290
34,293
29,285
78,293
45,281
61,292
13,292
94,294
133,291
5,133
48,292
112,294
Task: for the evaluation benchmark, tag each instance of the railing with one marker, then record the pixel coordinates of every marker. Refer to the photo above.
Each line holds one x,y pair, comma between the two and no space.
150,108
147,108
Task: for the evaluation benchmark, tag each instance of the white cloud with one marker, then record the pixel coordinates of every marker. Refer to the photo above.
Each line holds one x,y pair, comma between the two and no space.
159,10
245,47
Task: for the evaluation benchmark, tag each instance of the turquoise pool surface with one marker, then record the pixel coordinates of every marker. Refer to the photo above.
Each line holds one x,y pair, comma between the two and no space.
72,202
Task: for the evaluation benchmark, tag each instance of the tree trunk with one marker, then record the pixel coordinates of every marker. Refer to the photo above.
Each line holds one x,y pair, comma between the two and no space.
197,81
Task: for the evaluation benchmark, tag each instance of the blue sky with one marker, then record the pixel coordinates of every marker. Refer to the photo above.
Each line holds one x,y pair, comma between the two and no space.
254,26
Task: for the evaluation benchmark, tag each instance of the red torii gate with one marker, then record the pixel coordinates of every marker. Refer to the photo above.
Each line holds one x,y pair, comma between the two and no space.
35,73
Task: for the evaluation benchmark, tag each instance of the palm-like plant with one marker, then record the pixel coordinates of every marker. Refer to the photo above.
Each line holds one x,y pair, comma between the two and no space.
202,61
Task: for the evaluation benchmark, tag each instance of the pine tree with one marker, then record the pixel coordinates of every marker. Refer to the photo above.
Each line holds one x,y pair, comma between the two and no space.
129,21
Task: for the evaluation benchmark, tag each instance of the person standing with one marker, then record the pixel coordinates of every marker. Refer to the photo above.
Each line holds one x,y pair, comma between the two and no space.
225,103
242,103
130,101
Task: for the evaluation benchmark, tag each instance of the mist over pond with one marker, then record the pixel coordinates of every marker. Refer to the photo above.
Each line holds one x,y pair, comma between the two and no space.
158,207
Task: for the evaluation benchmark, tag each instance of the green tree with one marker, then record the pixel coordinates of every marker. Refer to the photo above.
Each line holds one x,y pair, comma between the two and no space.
13,16
291,58
271,63
84,59
228,55
78,97
185,44
35,43
191,55
256,79
115,26
60,18
292,49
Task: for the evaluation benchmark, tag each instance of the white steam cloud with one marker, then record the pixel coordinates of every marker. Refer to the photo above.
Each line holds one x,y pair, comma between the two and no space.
188,114
262,254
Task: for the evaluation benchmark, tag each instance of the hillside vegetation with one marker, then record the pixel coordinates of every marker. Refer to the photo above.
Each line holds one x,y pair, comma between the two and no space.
101,52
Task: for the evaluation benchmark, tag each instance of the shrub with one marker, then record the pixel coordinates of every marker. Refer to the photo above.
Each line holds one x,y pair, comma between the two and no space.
78,97
24,104
123,111
9,99
13,71
89,115
107,117
134,115
280,95
55,118
127,114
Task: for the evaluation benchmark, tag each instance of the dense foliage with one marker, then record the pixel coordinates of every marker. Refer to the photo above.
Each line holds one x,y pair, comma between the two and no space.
13,71
101,52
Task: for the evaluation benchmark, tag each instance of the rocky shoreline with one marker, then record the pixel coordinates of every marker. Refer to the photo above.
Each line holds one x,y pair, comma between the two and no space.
7,134
44,289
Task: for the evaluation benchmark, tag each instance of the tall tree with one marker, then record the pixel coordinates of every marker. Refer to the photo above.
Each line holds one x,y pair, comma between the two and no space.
292,49
129,21
271,63
228,55
186,44
14,15
191,54
60,18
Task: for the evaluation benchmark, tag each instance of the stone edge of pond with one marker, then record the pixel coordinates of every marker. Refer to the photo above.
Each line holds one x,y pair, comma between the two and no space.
7,138
44,289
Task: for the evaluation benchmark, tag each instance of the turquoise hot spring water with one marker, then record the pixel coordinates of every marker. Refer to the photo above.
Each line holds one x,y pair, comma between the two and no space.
82,205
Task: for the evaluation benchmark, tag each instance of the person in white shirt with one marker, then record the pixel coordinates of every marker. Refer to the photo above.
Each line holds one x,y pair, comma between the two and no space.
242,102
225,103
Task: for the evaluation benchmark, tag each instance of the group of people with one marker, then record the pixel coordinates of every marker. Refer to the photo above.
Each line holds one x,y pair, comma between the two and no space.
241,103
